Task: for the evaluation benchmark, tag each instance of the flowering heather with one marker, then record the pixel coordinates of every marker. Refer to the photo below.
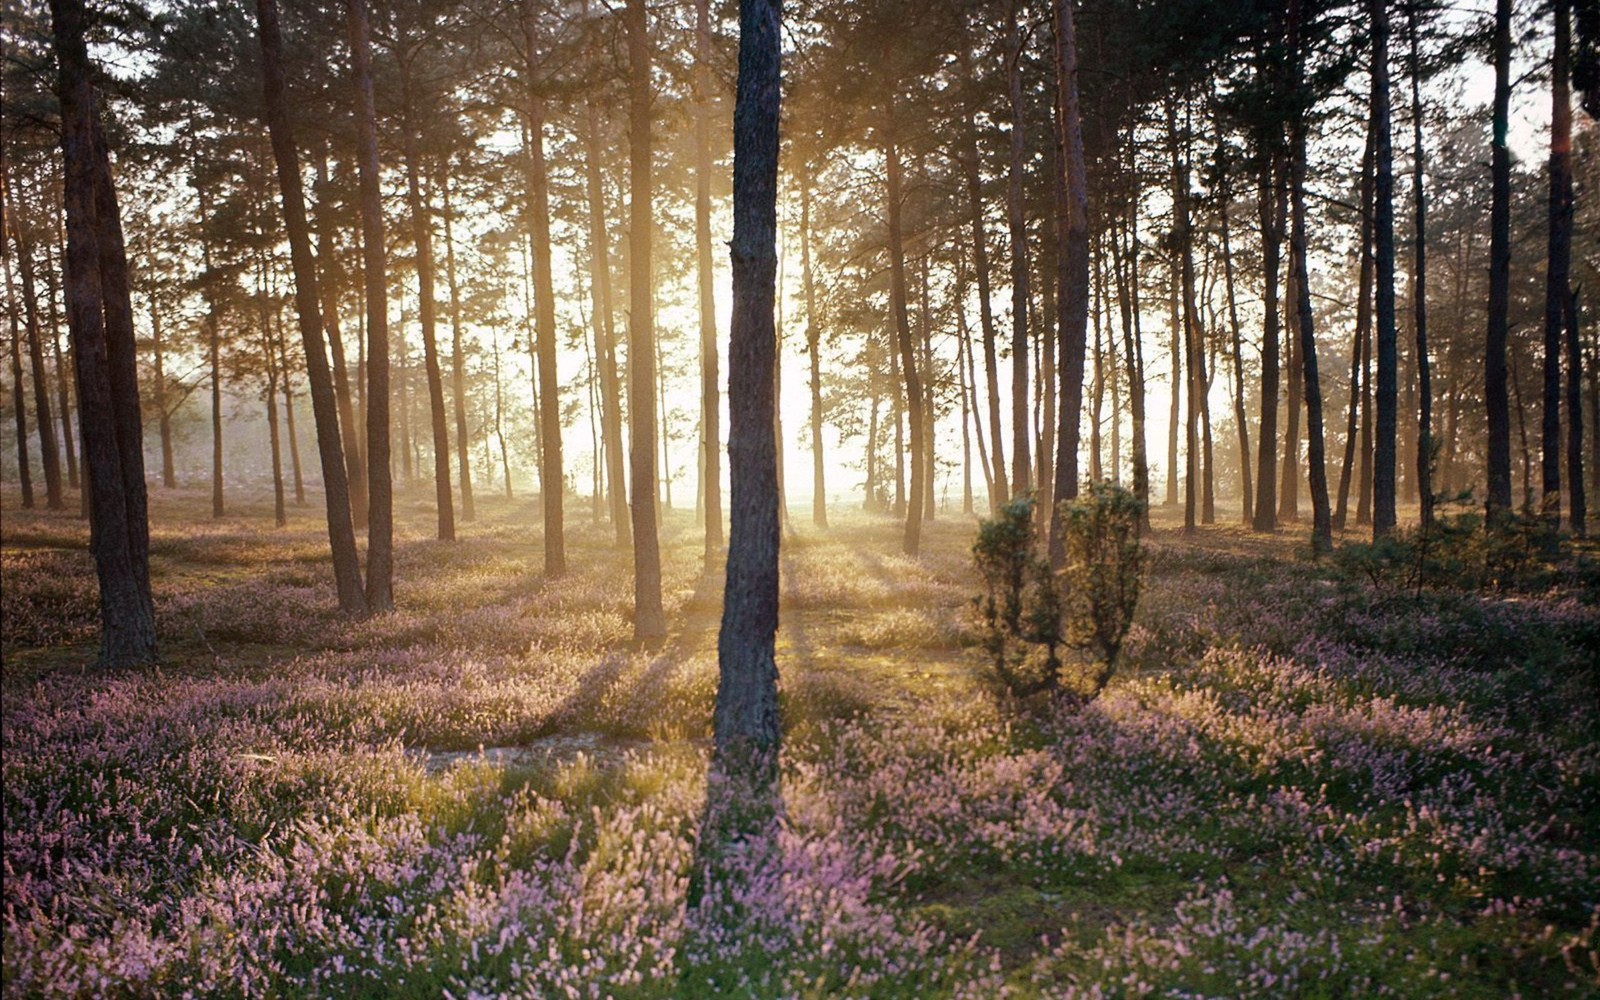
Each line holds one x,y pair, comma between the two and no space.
1298,785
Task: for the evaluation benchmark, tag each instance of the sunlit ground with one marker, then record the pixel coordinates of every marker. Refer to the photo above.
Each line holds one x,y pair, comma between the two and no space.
1300,784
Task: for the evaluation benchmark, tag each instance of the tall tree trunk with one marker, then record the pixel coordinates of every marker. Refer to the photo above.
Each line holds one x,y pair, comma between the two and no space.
380,485
710,396
1289,471
1241,422
1127,274
980,257
49,456
1183,248
1175,327
288,415
605,331
991,486
24,474
1494,361
100,319
63,365
1021,434
1321,523
1419,289
458,361
427,305
341,533
169,475
1072,274
649,621
330,280
280,514
1387,384
929,379
1358,344
1269,206
746,716
819,490
911,542
1558,293
213,324
552,476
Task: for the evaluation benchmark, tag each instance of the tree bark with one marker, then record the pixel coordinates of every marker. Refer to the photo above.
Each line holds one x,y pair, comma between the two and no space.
169,476
1558,292
100,318
63,366
458,361
1241,422
746,716
1419,292
912,539
49,456
710,396
330,280
1072,272
1021,433
1269,206
213,324
1362,335
24,474
380,484
427,305
605,331
1321,522
1387,384
341,533
649,620
819,486
1494,361
980,258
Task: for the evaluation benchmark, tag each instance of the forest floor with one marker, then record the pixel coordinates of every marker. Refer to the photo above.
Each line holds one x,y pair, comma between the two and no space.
1301,783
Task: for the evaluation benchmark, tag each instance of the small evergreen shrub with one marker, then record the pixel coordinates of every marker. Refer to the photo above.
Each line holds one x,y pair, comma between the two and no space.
1030,615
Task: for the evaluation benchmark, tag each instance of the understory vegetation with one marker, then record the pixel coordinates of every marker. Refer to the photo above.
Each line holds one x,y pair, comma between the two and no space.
1303,780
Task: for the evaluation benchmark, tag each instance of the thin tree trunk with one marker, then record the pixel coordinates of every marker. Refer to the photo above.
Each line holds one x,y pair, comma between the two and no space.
1269,207
819,491
710,396
1175,325
458,361
288,417
746,716
49,456
1241,422
427,306
1183,248
330,280
169,477
380,486
1558,293
1322,528
1419,292
1021,434
605,333
341,533
980,257
24,475
1494,363
1127,273
1289,472
649,620
213,324
552,476
1387,384
63,366
911,542
1353,423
